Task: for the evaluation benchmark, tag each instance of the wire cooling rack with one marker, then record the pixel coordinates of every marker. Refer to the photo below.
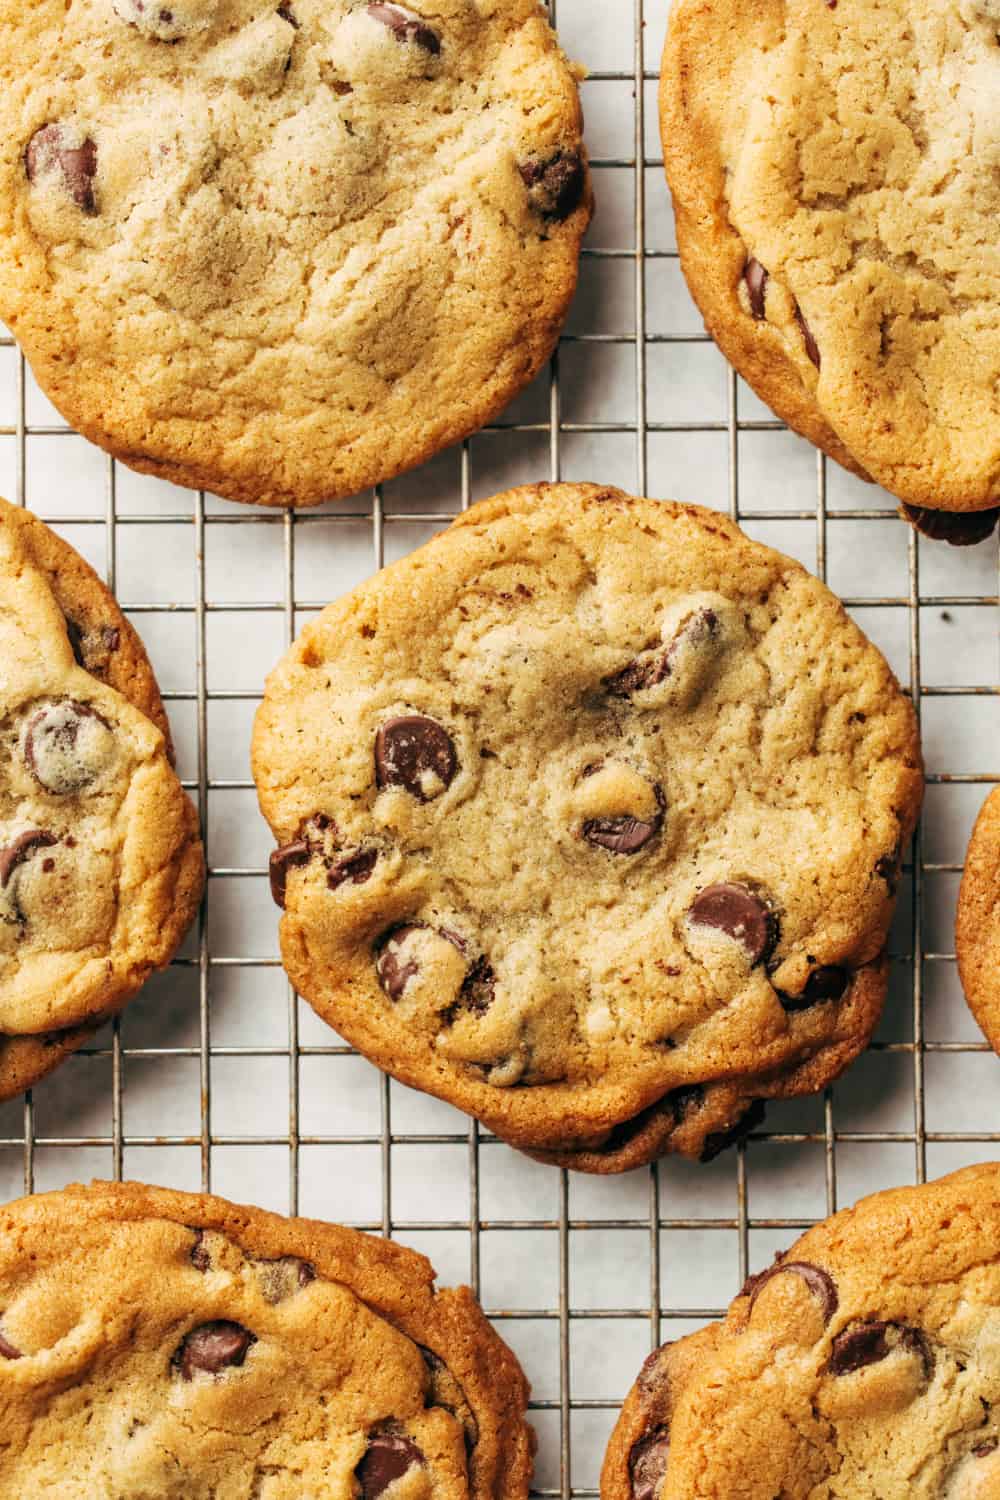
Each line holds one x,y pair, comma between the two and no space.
219,1077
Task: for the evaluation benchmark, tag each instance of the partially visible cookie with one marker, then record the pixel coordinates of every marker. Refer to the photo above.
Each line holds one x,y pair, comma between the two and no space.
834,175
861,1364
977,924
163,1344
101,864
590,815
286,249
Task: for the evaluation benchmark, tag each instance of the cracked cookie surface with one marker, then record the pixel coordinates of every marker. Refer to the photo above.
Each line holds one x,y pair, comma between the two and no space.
189,1347
286,250
862,1365
589,817
101,864
977,925
836,179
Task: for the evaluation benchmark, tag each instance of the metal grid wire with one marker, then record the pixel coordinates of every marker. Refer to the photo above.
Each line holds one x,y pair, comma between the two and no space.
564,1416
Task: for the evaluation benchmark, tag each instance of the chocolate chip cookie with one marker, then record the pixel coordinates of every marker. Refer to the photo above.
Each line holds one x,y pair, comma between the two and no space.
284,249
589,816
162,1344
834,174
101,864
861,1364
977,926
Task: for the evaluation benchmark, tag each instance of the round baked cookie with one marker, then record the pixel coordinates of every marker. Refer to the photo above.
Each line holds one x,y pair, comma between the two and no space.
283,251
862,1365
163,1344
977,924
590,814
834,175
101,864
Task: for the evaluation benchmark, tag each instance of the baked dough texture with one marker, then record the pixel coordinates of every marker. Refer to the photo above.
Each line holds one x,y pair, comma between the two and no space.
177,1347
835,171
283,251
977,926
862,1365
101,863
590,814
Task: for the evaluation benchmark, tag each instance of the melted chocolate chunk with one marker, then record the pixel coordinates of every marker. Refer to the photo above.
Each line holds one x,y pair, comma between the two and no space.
887,866
48,152
721,1140
478,988
962,528
756,279
93,648
200,1258
213,1347
701,625
555,186
828,982
649,1380
447,1392
21,848
356,868
869,1342
9,1350
812,348
741,913
415,753
819,1282
288,857
390,1455
624,835
406,26
64,747
983,1450
647,1463
393,969
287,14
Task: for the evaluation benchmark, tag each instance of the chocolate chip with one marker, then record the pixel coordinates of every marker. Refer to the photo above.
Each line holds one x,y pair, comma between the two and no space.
555,185
415,753
871,1341
649,1380
280,1278
394,970
289,856
287,14
478,988
985,1449
9,1350
647,1463
756,279
741,913
47,152
654,668
446,1391
828,982
406,26
356,868
390,1455
92,648
622,835
721,1140
66,746
20,849
200,1258
819,1282
887,866
213,1347
958,528
812,348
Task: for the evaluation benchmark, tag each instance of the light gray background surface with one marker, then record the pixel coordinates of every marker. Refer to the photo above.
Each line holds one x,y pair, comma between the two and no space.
218,1077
